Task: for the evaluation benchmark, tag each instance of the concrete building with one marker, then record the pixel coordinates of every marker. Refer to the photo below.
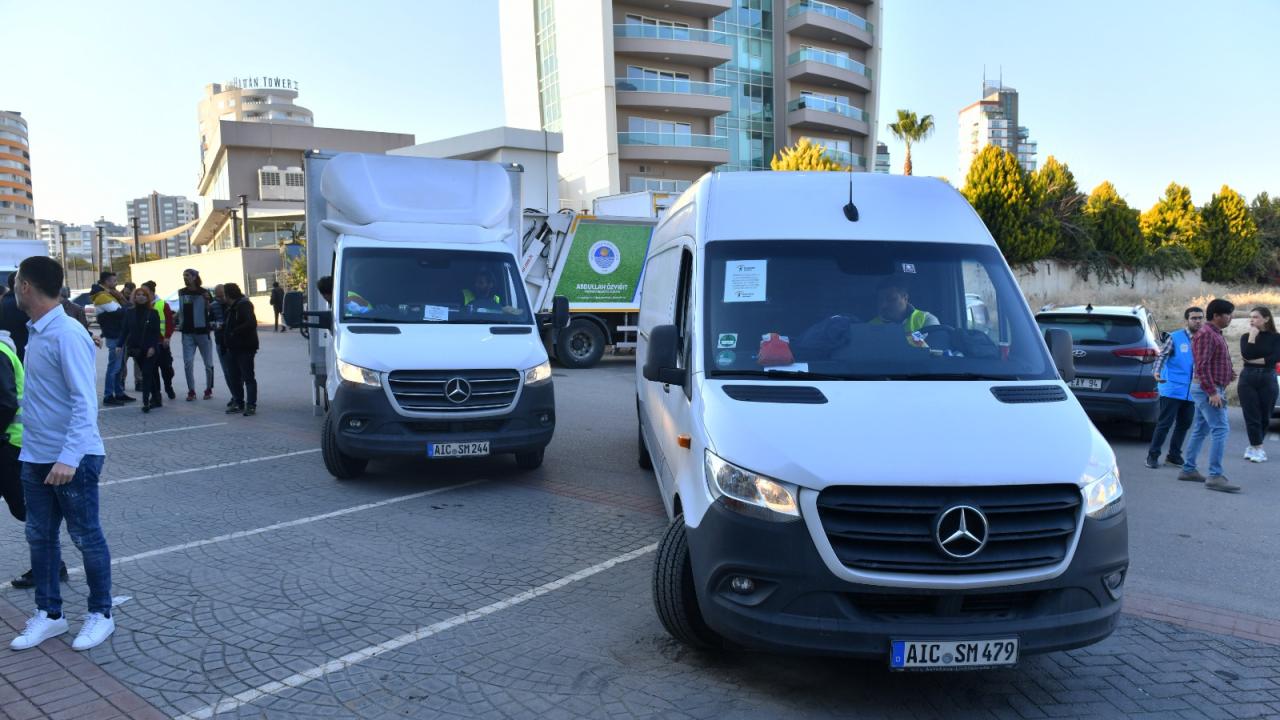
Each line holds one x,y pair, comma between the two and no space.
17,202
882,158
76,246
651,94
535,150
993,120
157,213
250,99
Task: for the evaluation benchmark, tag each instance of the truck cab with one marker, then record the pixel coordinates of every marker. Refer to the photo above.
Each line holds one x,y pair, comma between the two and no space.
429,346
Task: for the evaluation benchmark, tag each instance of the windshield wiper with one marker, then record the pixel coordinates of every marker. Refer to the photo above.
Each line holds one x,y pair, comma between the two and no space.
952,376
362,319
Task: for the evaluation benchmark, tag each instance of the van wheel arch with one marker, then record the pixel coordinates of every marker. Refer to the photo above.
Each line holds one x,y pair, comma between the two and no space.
674,595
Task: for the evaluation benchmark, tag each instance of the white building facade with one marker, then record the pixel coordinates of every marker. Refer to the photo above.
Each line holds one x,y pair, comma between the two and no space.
993,120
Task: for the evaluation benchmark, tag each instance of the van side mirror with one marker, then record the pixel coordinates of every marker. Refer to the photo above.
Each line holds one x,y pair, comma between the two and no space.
660,361
1061,348
322,319
560,312
293,308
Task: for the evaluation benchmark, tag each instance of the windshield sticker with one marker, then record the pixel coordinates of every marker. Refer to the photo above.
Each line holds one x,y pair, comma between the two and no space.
728,340
909,268
725,358
435,313
745,280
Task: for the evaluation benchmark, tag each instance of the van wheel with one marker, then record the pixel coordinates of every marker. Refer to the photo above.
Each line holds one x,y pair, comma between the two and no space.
339,464
531,460
673,591
643,458
581,345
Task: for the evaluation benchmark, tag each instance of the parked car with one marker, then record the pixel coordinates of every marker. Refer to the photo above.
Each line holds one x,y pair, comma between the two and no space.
1114,348
85,300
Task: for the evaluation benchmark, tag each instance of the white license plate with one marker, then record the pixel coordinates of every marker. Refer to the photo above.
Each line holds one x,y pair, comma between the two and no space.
952,654
1087,383
457,450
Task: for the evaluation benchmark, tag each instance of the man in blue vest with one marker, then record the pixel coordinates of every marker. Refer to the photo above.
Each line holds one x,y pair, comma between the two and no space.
1173,371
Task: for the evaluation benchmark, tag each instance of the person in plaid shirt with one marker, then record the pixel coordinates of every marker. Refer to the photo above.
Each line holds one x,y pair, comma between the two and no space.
1213,373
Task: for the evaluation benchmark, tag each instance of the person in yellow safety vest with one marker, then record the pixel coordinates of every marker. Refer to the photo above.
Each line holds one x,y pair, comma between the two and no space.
166,331
895,306
482,288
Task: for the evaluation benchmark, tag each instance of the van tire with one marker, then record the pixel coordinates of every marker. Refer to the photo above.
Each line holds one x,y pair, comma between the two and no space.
531,460
339,464
643,458
581,345
674,596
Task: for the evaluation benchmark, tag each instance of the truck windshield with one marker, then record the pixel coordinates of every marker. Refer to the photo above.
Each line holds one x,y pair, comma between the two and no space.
418,285
863,310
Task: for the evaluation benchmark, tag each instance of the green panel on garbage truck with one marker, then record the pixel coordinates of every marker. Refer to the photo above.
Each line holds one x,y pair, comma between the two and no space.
602,268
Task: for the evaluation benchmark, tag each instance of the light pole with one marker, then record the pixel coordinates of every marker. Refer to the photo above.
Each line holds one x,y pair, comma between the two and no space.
244,221
102,226
133,221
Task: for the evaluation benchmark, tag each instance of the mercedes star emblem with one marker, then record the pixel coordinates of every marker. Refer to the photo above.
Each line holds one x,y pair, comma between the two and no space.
457,390
961,531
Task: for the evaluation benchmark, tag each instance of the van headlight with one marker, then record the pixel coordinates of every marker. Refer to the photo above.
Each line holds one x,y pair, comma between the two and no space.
538,374
1104,496
358,375
750,492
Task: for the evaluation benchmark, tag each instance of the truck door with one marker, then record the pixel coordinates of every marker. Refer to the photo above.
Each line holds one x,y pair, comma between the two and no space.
676,400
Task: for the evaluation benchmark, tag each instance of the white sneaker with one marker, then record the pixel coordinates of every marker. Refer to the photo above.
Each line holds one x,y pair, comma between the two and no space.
97,628
39,628
1260,456
1248,453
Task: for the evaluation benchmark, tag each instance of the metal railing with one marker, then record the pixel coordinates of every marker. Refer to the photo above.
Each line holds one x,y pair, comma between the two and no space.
673,85
845,157
827,105
673,140
832,11
828,57
668,32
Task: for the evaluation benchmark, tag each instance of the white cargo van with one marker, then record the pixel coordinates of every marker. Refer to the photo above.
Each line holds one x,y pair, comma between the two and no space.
431,347
864,444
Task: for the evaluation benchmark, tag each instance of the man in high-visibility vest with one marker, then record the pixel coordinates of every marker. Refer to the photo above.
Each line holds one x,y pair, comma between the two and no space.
167,326
895,308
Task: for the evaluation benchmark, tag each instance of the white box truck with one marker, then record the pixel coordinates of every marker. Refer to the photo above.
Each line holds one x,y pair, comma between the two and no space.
428,344
13,252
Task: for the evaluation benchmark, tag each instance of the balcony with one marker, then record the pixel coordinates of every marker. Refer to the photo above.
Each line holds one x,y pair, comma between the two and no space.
847,158
821,21
816,113
823,67
685,46
690,8
688,97
673,148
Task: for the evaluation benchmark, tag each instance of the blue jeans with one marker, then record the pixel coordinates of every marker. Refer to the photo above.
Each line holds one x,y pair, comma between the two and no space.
113,385
77,502
1212,422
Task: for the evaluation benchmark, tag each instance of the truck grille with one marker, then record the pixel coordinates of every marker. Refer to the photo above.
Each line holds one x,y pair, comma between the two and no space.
893,529
429,390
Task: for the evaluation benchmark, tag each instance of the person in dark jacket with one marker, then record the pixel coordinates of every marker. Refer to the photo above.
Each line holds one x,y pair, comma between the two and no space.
1260,349
242,345
141,339
14,320
194,322
75,312
218,315
129,287
111,308
277,304
167,326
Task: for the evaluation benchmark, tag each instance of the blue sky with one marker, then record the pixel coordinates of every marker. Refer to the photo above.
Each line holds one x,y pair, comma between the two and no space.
1139,92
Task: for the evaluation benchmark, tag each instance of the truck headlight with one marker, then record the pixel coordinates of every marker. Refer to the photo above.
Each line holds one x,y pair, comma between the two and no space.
753,493
538,374
1104,496
358,375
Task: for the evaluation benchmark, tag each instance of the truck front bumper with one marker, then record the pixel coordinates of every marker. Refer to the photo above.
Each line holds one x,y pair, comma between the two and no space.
369,427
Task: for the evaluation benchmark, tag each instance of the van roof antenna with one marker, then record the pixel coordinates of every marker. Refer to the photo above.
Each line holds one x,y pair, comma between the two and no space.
851,210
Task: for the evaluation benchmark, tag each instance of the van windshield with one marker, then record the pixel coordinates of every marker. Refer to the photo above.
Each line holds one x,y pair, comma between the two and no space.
417,285
862,310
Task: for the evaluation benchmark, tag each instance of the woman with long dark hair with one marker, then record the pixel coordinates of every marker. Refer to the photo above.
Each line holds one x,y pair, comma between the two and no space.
241,334
140,338
1260,348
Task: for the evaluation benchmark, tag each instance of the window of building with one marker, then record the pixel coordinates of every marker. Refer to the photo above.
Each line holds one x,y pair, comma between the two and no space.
640,183
661,127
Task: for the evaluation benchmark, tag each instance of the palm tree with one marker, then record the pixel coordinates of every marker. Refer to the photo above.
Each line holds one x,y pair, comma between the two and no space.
910,129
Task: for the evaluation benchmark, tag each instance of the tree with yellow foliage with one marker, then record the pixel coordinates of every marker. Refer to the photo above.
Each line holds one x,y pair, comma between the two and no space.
804,155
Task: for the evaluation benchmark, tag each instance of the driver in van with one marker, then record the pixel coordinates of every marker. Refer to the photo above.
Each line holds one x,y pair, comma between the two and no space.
483,288
894,306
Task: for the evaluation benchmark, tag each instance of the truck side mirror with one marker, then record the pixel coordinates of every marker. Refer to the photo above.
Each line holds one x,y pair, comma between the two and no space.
293,309
660,361
560,312
1061,348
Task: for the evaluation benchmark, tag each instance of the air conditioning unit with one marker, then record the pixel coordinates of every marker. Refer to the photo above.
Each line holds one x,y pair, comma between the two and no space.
277,184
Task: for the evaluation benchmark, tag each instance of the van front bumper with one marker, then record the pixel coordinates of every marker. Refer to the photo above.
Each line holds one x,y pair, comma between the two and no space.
369,427
799,606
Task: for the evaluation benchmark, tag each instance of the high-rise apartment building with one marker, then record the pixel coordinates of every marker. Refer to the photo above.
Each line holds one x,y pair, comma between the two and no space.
157,213
651,94
76,245
17,202
250,99
882,158
993,120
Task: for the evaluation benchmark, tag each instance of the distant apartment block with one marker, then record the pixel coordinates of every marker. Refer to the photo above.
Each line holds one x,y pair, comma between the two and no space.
157,213
17,202
652,94
993,120
882,158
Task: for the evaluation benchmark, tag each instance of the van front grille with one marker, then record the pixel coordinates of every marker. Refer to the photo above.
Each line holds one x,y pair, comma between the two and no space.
894,529
454,391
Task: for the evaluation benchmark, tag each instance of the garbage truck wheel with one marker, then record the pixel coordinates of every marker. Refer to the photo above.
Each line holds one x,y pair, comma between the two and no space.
581,345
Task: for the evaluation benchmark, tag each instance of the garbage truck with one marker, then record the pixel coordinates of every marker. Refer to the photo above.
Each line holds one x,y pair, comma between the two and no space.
428,344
